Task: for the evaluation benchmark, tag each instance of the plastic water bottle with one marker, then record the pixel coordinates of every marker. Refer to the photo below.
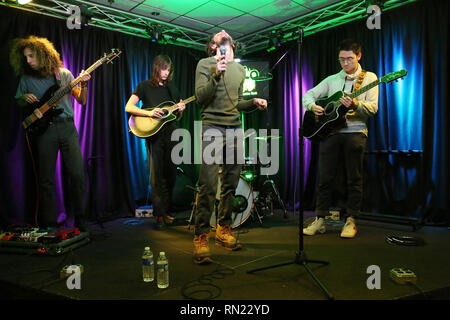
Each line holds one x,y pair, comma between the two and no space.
148,271
163,271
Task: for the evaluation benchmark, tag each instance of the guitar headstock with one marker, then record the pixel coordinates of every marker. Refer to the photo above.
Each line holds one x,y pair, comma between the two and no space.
394,76
111,56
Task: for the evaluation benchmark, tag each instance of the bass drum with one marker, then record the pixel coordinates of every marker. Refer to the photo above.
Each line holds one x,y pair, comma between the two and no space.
243,204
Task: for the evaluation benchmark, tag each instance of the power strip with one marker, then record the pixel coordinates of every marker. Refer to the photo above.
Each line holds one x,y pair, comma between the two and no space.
402,275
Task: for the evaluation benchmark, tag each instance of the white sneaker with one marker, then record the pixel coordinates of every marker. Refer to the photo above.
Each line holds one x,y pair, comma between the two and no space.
316,225
349,230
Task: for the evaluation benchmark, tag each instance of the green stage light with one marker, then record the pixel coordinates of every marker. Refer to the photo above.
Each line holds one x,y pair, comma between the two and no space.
248,176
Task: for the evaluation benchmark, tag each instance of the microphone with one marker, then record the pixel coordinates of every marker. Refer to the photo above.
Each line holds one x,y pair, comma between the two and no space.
223,51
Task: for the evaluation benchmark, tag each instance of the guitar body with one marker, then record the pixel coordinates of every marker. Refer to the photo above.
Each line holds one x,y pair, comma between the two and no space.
317,128
144,127
39,126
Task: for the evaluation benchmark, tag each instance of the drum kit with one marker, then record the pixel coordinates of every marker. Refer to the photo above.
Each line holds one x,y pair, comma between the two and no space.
255,195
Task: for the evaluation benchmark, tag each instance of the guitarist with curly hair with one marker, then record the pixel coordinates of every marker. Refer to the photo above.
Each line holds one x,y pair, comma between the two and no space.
39,66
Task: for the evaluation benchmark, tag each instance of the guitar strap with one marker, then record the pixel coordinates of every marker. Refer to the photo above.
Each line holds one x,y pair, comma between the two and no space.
58,78
360,80
358,84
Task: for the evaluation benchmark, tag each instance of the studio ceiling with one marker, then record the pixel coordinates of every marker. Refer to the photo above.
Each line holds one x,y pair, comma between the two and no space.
255,24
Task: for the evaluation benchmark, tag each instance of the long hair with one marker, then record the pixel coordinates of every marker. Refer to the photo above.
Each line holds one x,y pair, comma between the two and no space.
46,55
161,62
211,46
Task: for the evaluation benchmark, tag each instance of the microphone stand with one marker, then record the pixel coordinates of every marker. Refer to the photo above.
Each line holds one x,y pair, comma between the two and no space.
300,256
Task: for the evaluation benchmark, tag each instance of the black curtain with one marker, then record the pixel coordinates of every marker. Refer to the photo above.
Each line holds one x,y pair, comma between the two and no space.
418,31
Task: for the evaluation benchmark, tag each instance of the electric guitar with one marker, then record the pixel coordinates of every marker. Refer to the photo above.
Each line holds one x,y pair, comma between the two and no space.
317,128
143,127
39,114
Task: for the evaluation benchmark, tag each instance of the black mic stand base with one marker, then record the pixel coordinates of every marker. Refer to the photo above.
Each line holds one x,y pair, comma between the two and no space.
300,256
301,259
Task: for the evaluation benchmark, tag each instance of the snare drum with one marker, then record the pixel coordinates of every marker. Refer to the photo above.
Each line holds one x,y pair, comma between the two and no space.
243,203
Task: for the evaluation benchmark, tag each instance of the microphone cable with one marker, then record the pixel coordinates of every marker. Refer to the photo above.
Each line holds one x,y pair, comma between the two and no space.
204,287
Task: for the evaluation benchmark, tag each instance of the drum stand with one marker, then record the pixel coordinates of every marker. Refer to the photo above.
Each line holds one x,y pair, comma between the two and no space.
265,199
194,207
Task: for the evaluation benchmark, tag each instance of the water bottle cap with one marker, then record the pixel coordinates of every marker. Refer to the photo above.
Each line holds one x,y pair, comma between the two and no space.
147,248
162,253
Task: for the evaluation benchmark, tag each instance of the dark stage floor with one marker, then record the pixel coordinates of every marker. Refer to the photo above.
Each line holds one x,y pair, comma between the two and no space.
112,264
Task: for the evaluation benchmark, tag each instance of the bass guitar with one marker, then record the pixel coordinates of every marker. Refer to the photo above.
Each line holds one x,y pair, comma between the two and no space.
317,128
143,127
39,114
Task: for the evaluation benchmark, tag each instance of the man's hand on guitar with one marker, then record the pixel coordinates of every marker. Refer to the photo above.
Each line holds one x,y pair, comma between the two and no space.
85,77
156,113
181,106
318,110
30,98
348,102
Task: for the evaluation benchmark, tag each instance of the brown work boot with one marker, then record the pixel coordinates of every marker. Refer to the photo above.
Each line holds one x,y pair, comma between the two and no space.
168,219
202,254
225,239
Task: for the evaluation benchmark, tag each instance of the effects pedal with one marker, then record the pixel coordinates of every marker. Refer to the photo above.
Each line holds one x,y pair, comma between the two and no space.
66,234
402,275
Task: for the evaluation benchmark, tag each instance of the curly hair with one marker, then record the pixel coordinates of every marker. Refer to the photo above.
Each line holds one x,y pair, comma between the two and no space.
161,62
46,55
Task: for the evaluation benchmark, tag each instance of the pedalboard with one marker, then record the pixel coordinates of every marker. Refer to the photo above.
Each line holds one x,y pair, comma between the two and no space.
402,275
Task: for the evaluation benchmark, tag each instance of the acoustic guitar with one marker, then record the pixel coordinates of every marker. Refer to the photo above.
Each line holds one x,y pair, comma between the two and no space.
317,128
143,127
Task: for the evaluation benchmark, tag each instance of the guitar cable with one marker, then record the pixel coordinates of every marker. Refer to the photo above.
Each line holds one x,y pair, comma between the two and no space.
35,179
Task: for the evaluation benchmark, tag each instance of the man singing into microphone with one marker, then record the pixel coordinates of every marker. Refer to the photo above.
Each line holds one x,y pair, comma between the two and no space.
218,87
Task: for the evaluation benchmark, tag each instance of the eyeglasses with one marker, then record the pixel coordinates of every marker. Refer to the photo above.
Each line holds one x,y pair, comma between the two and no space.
348,60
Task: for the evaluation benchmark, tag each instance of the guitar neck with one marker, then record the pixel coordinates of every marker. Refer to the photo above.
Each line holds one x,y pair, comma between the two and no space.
365,88
186,101
68,88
